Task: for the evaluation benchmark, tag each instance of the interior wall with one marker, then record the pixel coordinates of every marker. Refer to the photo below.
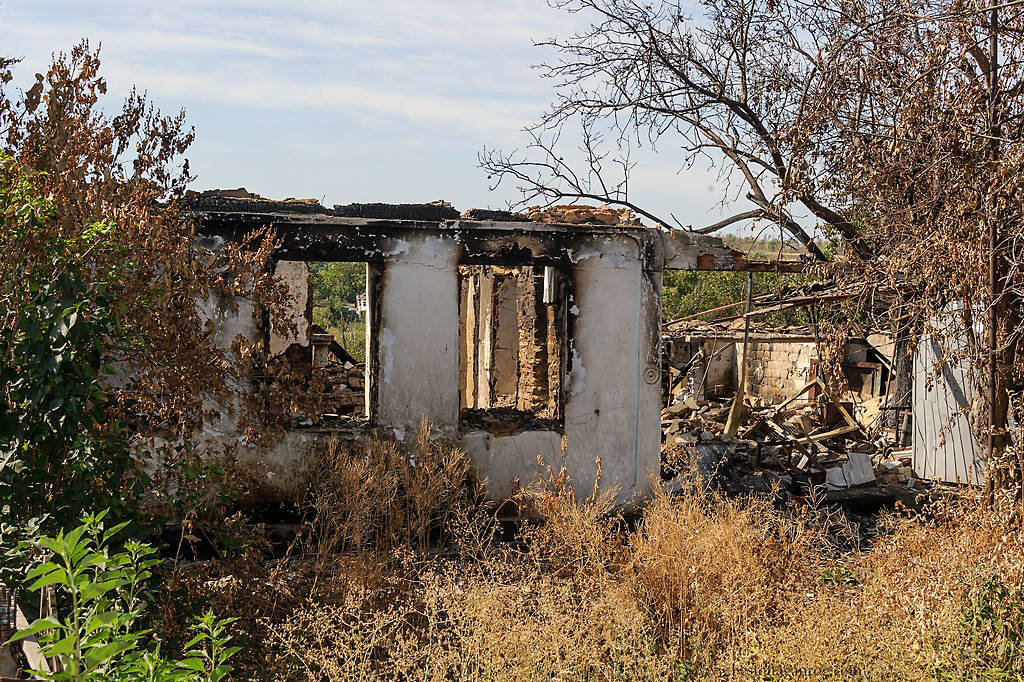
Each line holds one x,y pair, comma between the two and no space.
506,338
284,467
713,375
295,276
612,385
485,341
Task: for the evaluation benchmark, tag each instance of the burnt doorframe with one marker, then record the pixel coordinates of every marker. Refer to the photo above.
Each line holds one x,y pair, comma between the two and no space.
562,297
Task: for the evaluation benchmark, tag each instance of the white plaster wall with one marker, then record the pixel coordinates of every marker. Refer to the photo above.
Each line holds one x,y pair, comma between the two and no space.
282,468
612,409
721,368
684,250
418,347
501,459
295,275
232,320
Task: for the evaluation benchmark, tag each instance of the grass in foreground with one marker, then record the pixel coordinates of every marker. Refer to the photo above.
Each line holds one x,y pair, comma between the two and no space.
401,574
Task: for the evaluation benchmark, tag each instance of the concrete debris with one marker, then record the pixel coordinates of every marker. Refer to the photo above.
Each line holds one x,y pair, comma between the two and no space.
855,471
242,193
434,210
505,420
787,421
893,468
784,453
582,215
344,381
498,216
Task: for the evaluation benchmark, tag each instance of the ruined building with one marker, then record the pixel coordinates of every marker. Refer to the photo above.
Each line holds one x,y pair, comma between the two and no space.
520,339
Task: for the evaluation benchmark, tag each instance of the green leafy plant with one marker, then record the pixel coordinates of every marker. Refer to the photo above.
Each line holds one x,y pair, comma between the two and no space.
209,650
838,575
993,626
62,451
686,293
104,597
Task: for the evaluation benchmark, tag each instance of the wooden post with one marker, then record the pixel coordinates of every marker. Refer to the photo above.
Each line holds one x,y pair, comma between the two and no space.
995,420
813,307
736,413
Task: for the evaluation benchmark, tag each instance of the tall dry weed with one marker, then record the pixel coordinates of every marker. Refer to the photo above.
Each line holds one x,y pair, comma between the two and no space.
710,568
574,536
379,496
937,597
405,579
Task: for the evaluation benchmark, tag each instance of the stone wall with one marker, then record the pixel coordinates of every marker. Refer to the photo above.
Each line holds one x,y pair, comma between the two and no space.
777,369
532,388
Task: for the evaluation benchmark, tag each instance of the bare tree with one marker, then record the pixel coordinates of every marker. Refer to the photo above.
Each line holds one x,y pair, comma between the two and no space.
731,86
897,124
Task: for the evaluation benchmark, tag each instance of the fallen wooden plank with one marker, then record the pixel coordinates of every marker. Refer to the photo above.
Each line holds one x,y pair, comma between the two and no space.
843,430
30,646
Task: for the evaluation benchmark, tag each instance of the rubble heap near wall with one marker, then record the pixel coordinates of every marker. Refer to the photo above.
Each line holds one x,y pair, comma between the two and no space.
576,214
784,430
567,214
344,377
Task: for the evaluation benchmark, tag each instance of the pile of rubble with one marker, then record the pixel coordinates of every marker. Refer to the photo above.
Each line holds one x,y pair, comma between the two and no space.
343,376
506,420
344,386
788,449
582,215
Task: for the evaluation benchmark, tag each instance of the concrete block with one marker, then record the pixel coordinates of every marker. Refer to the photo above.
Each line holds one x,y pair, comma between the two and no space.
857,470
8,667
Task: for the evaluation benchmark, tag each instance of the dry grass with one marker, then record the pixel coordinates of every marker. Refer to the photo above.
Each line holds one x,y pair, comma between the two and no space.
713,569
404,578
374,498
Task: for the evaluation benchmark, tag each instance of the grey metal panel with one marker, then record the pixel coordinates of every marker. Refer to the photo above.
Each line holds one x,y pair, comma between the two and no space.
944,447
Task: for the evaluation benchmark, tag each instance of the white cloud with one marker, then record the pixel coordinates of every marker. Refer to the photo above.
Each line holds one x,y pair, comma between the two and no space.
460,62
422,83
253,90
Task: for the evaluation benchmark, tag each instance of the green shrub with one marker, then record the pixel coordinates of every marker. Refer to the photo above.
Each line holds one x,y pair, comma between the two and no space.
993,627
61,451
104,597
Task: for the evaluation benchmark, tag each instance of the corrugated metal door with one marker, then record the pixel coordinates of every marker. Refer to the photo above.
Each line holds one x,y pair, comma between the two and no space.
944,446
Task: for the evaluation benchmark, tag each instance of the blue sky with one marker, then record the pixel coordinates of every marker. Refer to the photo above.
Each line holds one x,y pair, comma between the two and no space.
345,101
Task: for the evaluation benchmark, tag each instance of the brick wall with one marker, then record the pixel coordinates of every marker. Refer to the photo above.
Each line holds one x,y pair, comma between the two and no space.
777,369
532,389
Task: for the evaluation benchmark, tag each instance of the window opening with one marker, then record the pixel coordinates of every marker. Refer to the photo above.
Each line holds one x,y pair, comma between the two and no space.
512,347
339,334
